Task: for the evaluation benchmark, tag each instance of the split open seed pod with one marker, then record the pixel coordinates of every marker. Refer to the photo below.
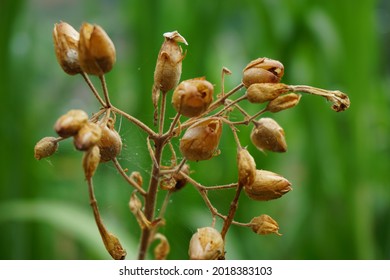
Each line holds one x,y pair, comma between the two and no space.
262,70
206,244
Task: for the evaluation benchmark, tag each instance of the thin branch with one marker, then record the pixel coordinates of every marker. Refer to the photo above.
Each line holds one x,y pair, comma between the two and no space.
105,90
93,89
127,178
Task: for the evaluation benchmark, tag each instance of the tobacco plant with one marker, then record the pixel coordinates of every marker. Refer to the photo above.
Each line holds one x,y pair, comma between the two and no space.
201,115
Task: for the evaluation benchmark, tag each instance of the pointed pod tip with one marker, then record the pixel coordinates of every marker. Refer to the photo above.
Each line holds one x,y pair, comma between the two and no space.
174,35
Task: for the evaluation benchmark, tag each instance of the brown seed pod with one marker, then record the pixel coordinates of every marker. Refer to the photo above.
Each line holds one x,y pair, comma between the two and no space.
206,244
70,123
91,161
262,70
201,139
66,40
110,143
97,53
262,92
45,147
267,185
283,102
192,97
88,136
246,167
264,224
268,135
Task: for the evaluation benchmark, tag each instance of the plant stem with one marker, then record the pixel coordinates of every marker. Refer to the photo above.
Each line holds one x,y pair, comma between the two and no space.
232,212
93,89
105,90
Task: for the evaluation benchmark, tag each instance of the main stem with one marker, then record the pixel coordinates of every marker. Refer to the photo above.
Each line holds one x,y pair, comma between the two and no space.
150,199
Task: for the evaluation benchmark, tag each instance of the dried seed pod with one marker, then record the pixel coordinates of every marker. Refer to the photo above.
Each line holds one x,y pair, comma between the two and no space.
283,102
262,92
246,167
114,247
267,134
70,123
262,70
110,143
91,159
192,97
96,50
45,147
206,244
201,139
267,185
88,136
264,224
181,181
162,249
66,40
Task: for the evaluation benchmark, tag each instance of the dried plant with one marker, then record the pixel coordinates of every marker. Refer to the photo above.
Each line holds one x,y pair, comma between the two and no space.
197,126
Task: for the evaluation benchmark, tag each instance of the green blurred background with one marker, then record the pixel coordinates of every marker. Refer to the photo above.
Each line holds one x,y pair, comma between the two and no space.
338,163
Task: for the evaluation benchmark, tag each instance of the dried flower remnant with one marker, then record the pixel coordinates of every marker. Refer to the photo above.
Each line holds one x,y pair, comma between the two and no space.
66,40
163,248
206,244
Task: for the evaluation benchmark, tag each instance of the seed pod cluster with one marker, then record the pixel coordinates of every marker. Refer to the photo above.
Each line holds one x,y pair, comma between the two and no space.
267,186
206,244
200,141
192,97
90,51
268,135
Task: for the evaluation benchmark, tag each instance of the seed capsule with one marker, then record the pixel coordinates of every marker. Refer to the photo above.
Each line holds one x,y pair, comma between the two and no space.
201,140
264,224
96,50
246,167
91,161
45,147
66,40
267,185
267,134
262,92
206,244
110,143
262,70
283,102
70,123
192,97
88,136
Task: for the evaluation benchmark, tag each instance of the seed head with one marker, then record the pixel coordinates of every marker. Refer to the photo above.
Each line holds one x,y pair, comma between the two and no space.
262,70
66,40
192,97
91,161
267,185
206,244
268,135
201,140
96,50
246,167
283,102
70,123
264,224
45,147
262,92
88,136
110,143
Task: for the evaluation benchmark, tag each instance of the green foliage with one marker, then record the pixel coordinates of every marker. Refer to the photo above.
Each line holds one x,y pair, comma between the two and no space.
337,162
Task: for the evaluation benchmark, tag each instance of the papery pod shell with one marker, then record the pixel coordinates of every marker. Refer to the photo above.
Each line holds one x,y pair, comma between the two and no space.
200,141
263,92
70,123
206,244
88,136
91,161
283,102
45,147
267,185
97,53
66,40
268,135
192,97
246,167
264,224
262,70
110,144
